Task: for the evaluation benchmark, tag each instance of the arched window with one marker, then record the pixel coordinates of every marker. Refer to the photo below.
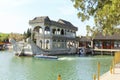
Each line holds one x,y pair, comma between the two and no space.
62,32
58,31
47,30
37,28
53,31
47,42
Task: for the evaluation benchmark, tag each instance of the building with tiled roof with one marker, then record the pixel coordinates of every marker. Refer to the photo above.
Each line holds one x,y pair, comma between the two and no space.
107,41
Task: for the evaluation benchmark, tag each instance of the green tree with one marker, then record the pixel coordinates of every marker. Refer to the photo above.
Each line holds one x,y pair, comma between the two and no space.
3,37
27,34
106,14
16,36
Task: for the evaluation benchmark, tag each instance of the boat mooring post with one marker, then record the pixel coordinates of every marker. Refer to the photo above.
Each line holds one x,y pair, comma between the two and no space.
98,70
59,77
113,64
94,77
111,69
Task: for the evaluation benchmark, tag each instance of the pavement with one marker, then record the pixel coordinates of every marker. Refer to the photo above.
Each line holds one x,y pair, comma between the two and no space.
109,76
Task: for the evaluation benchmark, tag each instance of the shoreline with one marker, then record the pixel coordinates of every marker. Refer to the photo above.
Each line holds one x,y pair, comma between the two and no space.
114,76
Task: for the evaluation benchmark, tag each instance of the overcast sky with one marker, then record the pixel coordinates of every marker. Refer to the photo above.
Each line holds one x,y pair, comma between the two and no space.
15,14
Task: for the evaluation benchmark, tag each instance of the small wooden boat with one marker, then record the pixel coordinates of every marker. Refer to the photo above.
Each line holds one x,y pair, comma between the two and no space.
45,56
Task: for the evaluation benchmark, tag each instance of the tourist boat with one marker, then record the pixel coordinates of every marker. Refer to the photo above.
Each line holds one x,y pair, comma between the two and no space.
45,56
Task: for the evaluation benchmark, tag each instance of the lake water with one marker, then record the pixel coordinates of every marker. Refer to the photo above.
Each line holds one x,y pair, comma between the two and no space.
69,67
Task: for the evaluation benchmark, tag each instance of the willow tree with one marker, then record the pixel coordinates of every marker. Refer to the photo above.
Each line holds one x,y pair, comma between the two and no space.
106,14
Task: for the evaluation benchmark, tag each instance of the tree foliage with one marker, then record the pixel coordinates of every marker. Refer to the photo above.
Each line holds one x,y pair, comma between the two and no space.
27,34
106,14
16,36
3,37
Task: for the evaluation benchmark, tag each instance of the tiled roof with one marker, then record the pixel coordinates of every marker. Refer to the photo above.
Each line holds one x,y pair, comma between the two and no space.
85,39
60,23
64,22
100,36
40,19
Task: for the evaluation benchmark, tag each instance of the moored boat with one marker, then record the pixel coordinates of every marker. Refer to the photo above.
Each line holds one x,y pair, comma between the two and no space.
45,56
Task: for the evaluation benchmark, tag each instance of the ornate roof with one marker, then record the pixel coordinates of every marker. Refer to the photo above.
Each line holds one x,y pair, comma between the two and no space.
60,23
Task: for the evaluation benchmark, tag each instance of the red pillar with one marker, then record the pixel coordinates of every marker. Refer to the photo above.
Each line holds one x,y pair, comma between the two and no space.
112,44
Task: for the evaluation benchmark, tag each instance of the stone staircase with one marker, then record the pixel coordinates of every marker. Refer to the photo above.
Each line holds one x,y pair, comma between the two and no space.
29,48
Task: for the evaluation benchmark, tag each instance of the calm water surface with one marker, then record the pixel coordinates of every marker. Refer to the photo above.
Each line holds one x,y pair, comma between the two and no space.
70,67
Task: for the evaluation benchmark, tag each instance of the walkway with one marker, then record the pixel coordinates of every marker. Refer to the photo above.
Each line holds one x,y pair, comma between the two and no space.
107,50
109,76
